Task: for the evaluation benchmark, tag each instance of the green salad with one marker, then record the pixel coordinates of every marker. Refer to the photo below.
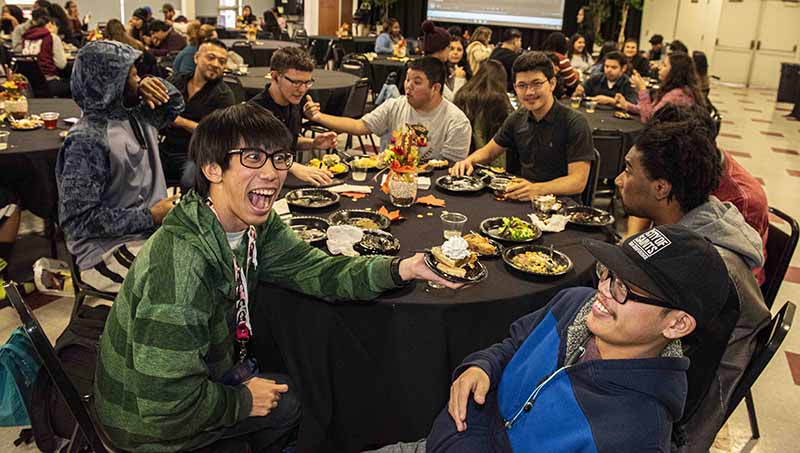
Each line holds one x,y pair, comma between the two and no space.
516,229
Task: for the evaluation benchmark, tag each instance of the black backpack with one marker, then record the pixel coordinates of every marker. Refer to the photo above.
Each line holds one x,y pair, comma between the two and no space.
76,348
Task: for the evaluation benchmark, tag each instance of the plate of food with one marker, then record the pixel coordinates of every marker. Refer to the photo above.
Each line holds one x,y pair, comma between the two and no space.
622,115
510,229
26,124
588,216
361,218
369,163
537,260
493,169
314,198
330,162
433,164
454,262
460,183
377,242
483,246
310,229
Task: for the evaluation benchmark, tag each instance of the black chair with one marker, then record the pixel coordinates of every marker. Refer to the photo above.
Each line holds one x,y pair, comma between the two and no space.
770,339
780,248
321,51
87,433
338,57
245,50
29,67
83,289
587,197
348,45
610,144
356,64
301,37
239,93
265,35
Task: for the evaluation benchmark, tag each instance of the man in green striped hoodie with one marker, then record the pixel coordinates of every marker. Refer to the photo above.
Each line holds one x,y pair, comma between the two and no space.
168,376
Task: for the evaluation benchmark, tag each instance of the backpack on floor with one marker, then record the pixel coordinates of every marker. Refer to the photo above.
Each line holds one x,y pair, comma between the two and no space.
76,348
19,366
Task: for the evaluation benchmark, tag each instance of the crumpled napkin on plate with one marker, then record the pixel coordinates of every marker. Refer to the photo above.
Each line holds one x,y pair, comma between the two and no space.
354,188
342,238
556,223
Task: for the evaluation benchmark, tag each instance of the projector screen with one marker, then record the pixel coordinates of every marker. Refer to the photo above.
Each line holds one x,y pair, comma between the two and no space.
547,14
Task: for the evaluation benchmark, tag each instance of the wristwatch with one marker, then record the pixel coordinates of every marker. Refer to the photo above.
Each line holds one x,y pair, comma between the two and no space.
394,269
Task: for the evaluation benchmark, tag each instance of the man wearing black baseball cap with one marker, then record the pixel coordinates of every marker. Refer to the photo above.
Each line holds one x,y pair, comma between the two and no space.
656,48
594,370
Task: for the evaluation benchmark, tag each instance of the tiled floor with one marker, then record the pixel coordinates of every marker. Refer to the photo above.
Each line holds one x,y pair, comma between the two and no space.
768,144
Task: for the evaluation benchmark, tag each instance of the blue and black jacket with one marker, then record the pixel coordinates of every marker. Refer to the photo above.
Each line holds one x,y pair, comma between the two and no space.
542,400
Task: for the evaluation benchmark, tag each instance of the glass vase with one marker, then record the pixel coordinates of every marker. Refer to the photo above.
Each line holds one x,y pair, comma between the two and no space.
402,188
18,108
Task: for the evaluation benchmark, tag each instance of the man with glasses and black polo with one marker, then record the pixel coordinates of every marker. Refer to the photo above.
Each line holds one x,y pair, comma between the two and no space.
548,144
285,95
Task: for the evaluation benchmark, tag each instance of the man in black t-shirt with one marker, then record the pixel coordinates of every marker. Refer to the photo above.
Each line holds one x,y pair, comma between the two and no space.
286,96
548,144
508,52
604,87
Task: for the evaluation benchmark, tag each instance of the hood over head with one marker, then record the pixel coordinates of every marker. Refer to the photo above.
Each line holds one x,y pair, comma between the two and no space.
99,77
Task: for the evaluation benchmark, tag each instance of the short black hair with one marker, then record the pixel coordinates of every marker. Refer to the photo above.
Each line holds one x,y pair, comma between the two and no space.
225,129
40,18
159,25
678,46
677,145
533,61
510,34
455,30
556,42
656,39
167,7
434,69
214,42
617,56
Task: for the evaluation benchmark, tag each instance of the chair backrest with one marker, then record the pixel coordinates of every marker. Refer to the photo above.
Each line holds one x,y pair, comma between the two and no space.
321,51
355,64
770,340
300,33
338,56
610,144
29,67
780,248
54,368
357,99
587,197
239,93
245,50
348,45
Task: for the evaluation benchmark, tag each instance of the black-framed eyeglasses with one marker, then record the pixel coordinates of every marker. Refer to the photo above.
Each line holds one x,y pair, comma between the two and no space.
620,291
523,86
256,158
299,83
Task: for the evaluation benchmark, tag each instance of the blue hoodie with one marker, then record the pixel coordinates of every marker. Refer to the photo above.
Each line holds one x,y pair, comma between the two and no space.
108,170
591,406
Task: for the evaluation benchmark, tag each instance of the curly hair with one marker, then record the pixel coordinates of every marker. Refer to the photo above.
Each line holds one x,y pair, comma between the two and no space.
677,146
682,75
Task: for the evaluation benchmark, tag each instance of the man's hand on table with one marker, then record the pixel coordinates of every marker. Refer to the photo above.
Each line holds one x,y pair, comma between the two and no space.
473,381
266,393
461,168
314,176
414,268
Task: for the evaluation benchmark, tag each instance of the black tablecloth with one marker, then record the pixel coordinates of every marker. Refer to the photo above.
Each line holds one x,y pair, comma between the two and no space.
381,67
359,44
27,167
262,50
375,373
330,88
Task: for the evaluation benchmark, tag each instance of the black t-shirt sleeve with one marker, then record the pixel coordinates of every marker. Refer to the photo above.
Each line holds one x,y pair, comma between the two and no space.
580,147
505,135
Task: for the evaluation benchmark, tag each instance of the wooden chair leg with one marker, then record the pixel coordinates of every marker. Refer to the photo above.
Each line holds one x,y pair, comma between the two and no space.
751,413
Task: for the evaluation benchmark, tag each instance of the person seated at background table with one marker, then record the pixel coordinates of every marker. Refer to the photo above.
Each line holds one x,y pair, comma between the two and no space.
78,24
248,17
507,52
457,66
286,96
111,189
436,43
479,48
548,144
604,88
578,54
203,92
656,49
198,34
169,13
701,65
678,86
678,46
448,128
19,30
669,177
279,17
485,102
139,26
585,23
636,62
41,41
146,64
271,25
12,17
594,370
196,275
165,40
556,42
599,65
390,36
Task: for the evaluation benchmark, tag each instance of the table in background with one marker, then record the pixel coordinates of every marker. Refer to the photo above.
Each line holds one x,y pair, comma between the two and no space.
262,50
382,66
376,373
358,44
28,165
330,88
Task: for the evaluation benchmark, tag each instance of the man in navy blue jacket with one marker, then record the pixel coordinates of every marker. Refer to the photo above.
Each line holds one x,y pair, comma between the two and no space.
593,371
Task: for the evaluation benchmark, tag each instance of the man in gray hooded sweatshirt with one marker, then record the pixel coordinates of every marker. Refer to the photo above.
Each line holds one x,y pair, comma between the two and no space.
111,189
668,178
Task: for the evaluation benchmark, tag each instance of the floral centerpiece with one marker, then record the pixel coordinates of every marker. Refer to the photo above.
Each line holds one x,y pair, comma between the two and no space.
402,158
16,103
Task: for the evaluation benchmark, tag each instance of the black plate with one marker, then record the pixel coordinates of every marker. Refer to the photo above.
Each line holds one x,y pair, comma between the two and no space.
377,242
498,247
300,224
558,257
312,198
460,184
490,226
604,217
348,216
474,275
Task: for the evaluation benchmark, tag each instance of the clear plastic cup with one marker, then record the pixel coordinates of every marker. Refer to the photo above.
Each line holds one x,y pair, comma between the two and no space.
4,140
453,224
50,119
590,106
575,102
358,173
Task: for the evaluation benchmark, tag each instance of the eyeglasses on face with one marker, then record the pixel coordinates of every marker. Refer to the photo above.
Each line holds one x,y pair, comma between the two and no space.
299,83
524,86
256,158
620,291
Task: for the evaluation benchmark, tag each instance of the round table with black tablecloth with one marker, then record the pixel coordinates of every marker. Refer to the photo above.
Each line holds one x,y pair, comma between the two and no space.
261,49
381,67
27,167
330,88
371,374
358,44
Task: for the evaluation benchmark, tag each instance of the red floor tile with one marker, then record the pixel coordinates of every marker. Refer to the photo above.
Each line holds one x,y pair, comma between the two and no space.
793,172
730,135
794,366
759,120
740,154
761,180
792,152
792,274
773,134
752,110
